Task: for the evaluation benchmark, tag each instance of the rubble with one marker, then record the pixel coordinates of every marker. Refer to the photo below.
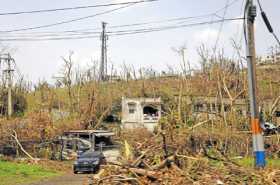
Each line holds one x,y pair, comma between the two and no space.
145,161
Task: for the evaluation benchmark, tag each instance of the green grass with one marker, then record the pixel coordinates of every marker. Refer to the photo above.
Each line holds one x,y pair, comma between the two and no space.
249,162
17,174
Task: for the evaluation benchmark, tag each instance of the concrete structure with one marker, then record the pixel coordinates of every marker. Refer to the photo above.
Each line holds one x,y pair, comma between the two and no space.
275,58
92,138
211,105
140,112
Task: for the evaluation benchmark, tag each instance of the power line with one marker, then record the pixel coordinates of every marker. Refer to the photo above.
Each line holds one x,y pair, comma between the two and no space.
81,31
163,21
50,34
173,27
227,5
241,12
74,8
91,31
125,32
68,21
267,23
215,14
110,11
221,27
182,19
49,39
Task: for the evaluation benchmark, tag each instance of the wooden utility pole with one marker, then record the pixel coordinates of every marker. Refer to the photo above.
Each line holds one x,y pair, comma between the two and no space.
7,59
258,141
103,62
9,72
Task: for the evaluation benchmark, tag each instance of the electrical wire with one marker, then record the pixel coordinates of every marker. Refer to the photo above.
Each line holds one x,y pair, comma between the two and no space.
244,22
238,30
74,8
175,27
227,5
68,21
89,31
79,31
110,11
125,32
163,21
50,34
267,23
82,33
221,26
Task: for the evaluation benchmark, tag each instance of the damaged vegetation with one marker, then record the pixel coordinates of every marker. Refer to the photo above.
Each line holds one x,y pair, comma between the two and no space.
202,137
188,160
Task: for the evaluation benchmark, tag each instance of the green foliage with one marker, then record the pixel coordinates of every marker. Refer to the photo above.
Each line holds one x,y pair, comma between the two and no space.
249,162
19,103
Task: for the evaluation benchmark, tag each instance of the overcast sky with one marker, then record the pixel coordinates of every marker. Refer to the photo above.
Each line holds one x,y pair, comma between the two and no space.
43,59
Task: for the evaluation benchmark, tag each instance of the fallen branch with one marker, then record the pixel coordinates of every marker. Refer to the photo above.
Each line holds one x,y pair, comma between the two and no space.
21,147
199,124
101,118
164,163
143,172
138,160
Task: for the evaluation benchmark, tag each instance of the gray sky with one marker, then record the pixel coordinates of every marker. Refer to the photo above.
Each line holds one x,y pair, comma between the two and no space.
43,59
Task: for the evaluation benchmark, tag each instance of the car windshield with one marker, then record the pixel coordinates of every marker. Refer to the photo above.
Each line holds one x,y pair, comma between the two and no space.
90,154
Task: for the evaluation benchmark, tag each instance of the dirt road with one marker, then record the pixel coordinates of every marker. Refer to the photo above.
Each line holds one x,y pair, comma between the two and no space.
69,179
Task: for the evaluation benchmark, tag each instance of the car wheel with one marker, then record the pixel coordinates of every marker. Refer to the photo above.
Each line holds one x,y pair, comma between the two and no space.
95,170
75,172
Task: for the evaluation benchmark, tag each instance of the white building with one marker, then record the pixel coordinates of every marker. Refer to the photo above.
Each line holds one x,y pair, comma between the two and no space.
140,112
271,59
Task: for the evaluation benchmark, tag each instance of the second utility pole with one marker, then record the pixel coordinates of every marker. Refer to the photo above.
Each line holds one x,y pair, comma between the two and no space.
10,103
7,59
258,141
103,62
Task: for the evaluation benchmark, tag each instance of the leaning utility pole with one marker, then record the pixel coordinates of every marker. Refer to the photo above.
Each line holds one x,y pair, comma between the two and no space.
258,141
103,62
6,58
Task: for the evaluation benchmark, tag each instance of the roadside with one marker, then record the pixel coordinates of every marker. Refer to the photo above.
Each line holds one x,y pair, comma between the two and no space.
26,172
68,179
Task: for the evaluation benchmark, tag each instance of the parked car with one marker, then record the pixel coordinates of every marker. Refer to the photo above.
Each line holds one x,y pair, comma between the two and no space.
270,128
89,161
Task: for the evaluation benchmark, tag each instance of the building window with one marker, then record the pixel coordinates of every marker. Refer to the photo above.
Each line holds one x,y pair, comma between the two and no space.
213,107
277,114
239,112
131,111
198,107
131,108
227,108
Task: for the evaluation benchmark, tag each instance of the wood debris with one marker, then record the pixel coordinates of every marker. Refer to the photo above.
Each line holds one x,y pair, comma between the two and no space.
149,165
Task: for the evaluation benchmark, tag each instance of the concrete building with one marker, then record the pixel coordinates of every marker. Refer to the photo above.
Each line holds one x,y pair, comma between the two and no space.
140,112
270,59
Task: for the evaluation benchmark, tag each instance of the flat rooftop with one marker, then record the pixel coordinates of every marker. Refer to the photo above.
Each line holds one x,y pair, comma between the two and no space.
95,132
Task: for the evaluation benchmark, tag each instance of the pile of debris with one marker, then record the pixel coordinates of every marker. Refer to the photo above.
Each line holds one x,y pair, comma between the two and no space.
153,159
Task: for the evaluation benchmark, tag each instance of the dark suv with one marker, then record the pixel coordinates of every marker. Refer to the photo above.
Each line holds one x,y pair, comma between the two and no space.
89,161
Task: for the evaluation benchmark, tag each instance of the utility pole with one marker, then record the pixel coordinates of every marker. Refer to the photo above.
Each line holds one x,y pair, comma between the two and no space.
258,141
103,62
7,59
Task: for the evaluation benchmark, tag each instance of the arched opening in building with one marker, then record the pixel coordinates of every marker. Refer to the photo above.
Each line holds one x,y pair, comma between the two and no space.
150,112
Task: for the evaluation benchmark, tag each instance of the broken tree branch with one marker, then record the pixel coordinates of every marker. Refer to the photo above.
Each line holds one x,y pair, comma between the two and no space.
14,135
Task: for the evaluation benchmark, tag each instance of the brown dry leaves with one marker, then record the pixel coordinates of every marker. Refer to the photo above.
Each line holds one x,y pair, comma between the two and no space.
149,166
